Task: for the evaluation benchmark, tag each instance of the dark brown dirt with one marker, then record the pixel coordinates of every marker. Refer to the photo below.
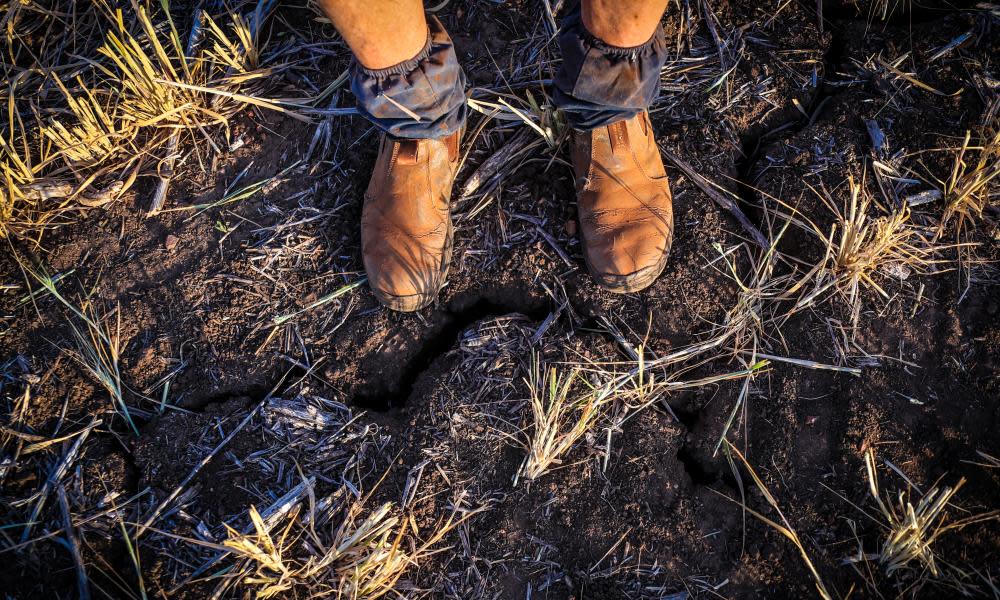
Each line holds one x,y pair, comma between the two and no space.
656,516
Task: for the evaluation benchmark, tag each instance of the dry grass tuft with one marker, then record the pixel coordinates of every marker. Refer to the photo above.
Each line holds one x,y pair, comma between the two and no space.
561,415
967,189
568,405
21,160
123,107
94,136
365,556
99,350
912,530
98,344
859,247
149,69
752,321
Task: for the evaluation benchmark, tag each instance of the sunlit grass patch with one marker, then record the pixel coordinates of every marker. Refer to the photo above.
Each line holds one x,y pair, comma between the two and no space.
146,67
860,248
359,554
911,530
968,187
126,105
563,409
569,400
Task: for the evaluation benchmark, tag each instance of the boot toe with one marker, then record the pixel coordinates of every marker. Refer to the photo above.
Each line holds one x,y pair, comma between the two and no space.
406,228
406,272
629,269
405,285
407,303
624,204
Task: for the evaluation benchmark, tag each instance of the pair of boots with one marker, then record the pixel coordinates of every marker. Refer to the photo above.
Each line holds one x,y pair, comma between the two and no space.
623,205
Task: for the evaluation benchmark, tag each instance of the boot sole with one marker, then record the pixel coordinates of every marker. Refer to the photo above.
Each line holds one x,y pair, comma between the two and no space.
415,302
633,282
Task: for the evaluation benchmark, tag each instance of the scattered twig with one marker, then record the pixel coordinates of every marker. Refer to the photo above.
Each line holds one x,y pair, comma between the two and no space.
82,584
712,191
197,468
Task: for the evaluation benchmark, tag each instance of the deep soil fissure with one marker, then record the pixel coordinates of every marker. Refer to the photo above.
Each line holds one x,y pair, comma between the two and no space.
752,145
453,320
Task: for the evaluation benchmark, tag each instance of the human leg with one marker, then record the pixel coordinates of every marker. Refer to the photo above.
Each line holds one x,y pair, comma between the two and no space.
621,23
380,33
623,197
415,93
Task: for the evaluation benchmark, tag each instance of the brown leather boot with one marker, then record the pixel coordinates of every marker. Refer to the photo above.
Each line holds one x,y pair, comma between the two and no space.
406,230
624,204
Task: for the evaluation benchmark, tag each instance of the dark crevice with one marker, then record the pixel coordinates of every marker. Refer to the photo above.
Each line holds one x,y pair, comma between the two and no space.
700,467
133,473
275,385
729,479
687,415
755,141
706,470
695,453
901,15
700,471
199,405
457,316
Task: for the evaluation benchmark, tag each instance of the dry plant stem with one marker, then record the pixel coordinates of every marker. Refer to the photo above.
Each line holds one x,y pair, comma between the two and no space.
740,400
912,530
56,476
495,163
856,248
111,510
82,585
561,414
554,406
271,516
967,192
133,110
784,528
197,468
165,171
365,558
712,191
809,364
98,352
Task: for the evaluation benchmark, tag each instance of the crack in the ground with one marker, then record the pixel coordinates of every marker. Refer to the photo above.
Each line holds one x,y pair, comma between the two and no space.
199,405
701,466
688,417
450,321
752,145
706,470
700,471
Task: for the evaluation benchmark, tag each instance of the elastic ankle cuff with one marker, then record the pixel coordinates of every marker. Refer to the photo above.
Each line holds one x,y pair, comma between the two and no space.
401,68
612,50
